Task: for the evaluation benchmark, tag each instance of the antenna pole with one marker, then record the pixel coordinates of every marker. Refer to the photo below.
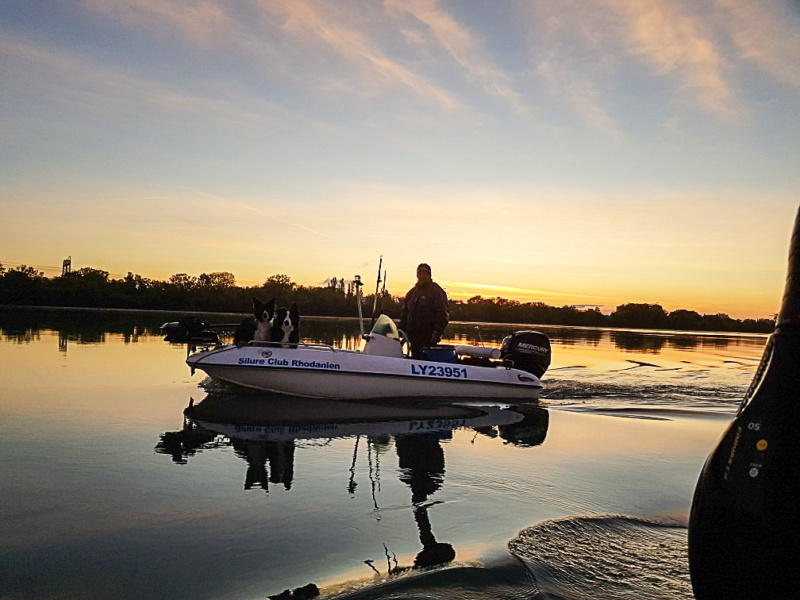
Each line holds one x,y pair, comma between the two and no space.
357,283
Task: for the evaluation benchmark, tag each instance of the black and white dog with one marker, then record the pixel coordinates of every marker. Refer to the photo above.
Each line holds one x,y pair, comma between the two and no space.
285,326
259,326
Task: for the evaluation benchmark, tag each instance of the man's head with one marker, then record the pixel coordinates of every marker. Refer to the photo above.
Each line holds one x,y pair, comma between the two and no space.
423,273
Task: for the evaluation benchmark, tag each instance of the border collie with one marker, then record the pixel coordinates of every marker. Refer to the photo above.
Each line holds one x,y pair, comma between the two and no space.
285,326
259,326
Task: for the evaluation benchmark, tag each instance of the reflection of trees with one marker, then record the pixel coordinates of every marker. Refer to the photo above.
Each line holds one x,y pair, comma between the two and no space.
718,343
78,326
493,334
336,333
649,343
24,336
632,341
683,342
22,325
566,337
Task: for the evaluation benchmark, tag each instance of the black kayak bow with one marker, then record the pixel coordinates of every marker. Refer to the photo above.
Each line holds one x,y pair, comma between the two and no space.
744,527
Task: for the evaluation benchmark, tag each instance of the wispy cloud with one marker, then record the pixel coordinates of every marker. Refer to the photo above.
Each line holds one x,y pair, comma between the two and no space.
673,41
580,93
200,19
462,47
86,81
766,33
308,18
260,30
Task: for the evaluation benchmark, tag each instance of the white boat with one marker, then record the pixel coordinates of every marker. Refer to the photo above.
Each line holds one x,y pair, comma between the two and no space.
381,370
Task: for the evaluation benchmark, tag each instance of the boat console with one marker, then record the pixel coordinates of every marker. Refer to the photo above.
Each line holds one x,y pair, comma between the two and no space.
385,339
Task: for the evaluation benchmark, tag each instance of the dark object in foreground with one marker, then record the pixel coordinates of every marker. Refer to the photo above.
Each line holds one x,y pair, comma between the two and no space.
527,350
304,593
189,330
744,528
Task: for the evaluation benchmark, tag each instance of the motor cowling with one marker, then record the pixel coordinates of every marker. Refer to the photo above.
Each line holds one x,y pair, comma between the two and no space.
527,350
188,330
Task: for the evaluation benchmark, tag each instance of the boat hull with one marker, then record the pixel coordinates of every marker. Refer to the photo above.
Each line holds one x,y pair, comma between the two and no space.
325,372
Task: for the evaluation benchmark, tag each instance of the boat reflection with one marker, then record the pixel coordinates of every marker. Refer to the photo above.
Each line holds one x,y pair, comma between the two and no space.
264,432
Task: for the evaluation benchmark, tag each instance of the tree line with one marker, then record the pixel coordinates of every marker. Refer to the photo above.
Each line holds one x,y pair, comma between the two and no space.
218,292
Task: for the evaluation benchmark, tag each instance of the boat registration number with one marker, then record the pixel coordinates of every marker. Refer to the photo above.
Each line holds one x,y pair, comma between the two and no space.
439,371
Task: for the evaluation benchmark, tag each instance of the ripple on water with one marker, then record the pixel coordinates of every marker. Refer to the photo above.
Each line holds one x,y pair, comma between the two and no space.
577,558
606,558
587,391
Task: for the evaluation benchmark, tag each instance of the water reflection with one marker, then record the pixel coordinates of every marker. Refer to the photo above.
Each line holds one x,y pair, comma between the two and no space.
421,460
632,341
264,431
22,325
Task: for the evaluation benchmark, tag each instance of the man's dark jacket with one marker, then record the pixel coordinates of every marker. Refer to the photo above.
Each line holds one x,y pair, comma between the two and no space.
424,313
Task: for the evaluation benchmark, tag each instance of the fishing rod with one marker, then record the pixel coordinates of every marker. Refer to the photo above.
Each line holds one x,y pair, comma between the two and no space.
375,299
383,293
744,526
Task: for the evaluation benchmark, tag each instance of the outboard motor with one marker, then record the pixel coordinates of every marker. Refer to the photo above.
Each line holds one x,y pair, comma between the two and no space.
744,527
528,351
188,330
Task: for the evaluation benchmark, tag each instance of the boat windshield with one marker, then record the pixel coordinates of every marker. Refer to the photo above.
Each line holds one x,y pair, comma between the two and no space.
385,326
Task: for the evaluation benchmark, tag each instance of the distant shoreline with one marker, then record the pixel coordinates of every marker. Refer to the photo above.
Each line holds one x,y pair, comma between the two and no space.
355,319
155,311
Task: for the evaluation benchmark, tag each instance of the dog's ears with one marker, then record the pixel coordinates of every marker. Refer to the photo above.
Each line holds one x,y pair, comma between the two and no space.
294,311
259,308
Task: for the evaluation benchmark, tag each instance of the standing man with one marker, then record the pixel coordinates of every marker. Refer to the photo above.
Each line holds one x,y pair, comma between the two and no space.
424,315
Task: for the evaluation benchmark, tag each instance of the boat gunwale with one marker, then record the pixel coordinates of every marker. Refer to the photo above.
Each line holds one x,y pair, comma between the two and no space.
199,365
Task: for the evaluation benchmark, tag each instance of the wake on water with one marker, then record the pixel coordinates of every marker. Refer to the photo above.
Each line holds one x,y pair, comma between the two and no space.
577,558
588,557
605,558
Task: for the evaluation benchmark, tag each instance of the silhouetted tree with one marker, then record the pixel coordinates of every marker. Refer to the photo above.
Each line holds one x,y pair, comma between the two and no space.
23,285
217,291
685,319
183,281
647,316
219,280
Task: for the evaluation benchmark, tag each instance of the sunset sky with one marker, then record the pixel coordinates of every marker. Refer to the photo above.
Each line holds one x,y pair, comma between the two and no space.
565,151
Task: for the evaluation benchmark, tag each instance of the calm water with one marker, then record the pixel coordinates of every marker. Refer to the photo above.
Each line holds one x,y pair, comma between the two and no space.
109,490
